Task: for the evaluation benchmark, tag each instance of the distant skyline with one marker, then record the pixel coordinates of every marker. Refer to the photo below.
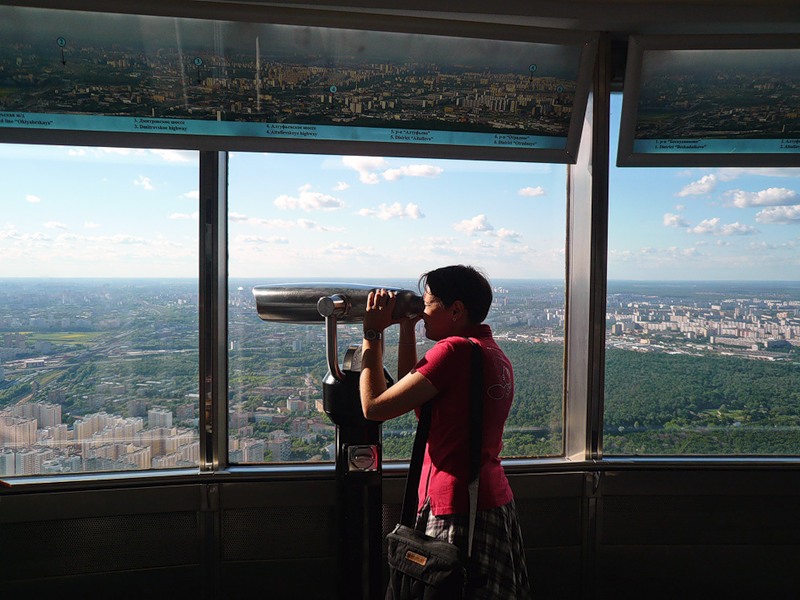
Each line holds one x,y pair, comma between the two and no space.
105,212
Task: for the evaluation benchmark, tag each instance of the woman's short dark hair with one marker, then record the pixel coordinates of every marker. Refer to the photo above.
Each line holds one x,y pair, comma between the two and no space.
460,282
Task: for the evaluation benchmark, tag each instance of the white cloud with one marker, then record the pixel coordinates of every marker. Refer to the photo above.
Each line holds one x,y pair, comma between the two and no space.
192,195
260,239
433,243
8,232
124,239
152,155
508,234
704,185
270,223
342,248
412,171
32,199
474,225
779,215
654,255
91,225
238,217
532,191
55,225
314,226
731,173
175,156
737,229
706,226
683,252
144,182
365,166
385,212
767,247
671,220
119,151
713,227
441,246
341,186
768,197
101,152
308,201
185,216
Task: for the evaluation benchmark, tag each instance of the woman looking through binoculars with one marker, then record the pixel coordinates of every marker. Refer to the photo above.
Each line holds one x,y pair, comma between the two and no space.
456,299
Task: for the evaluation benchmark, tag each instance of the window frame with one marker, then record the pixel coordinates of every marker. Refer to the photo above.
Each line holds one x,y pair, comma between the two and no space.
586,268
586,200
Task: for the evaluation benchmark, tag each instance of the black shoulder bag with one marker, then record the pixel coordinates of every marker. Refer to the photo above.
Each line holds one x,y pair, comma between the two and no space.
420,566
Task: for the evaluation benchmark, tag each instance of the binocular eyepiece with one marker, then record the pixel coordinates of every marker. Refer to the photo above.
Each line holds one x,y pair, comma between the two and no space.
314,302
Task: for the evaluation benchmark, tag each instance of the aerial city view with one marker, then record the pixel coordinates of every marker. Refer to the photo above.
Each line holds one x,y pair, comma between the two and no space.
705,94
101,375
290,81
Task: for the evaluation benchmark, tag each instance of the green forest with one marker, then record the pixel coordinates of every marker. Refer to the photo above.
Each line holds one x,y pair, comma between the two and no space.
655,404
658,403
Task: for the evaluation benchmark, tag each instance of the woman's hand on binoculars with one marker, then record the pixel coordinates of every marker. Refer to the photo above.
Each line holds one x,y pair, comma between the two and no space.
379,309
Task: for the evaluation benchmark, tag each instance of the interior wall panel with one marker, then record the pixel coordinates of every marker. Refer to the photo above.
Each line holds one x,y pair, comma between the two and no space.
637,533
54,542
698,533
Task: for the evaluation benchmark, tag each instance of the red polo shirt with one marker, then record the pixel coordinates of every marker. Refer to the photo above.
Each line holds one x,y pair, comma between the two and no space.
444,476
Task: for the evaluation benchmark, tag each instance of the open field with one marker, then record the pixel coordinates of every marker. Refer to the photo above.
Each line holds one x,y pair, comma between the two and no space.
65,337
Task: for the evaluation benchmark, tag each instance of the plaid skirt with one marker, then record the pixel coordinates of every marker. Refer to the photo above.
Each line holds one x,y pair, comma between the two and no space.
496,547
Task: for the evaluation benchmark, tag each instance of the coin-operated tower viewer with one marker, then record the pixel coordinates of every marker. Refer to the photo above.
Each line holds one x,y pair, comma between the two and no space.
358,441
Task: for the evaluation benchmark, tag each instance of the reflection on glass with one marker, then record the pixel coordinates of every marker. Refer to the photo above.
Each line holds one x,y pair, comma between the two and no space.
703,316
98,310
383,222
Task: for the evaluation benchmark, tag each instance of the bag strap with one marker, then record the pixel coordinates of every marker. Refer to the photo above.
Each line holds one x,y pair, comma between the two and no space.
415,466
476,437
475,445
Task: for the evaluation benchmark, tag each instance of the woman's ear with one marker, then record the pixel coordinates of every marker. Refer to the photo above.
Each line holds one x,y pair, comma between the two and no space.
458,310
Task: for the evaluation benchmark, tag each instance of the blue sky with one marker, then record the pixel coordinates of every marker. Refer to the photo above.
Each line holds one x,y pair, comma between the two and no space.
703,223
104,212
373,216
